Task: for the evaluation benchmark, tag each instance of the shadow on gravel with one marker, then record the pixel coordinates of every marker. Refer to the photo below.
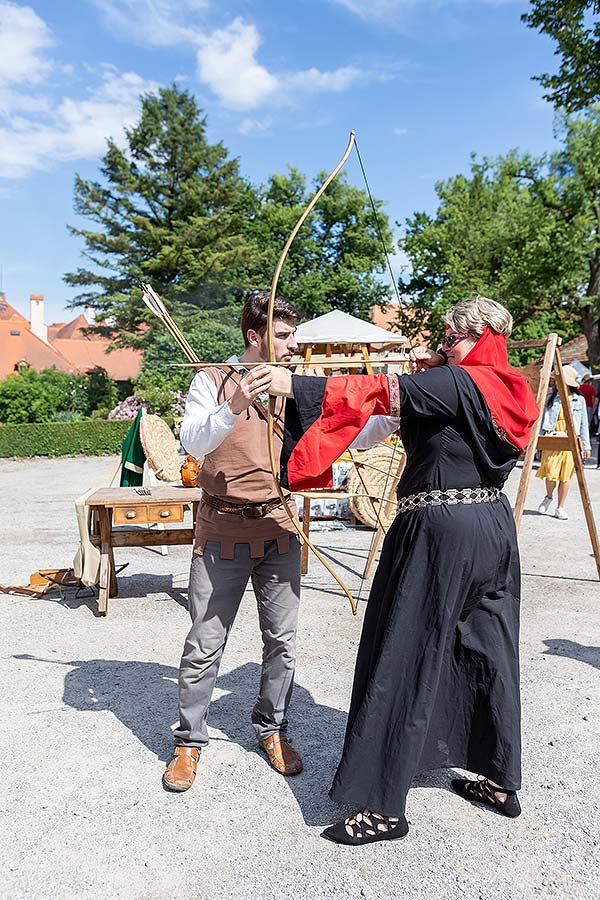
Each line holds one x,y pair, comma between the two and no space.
143,696
573,650
315,730
139,585
142,584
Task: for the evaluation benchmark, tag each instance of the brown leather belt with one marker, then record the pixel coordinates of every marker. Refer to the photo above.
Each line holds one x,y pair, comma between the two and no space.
247,510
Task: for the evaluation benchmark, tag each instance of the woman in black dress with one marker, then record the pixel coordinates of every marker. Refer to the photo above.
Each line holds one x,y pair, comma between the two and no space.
437,674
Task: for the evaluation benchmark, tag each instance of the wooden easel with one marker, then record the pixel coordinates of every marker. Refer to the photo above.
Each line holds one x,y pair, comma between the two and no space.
571,442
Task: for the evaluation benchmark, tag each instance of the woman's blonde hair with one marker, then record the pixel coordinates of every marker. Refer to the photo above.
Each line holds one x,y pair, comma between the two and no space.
473,315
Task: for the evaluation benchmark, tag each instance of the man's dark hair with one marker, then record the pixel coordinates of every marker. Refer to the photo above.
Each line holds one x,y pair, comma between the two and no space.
254,313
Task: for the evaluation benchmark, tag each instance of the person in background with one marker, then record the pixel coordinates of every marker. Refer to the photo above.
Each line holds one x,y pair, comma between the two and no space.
558,466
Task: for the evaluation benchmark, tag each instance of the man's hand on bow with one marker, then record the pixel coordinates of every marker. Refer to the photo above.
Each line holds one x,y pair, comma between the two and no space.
254,382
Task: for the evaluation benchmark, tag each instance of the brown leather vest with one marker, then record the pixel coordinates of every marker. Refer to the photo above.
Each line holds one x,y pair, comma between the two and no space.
239,471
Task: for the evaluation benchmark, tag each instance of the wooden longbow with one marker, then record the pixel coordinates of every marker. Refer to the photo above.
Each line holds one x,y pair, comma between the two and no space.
271,346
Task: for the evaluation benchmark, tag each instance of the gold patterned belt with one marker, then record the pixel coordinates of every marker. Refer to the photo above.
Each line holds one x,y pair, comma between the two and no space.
450,497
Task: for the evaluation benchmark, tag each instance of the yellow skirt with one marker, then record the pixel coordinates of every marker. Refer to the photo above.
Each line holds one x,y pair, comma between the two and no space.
556,465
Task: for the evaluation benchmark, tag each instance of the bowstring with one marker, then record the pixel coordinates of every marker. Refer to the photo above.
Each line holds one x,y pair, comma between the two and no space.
377,225
400,304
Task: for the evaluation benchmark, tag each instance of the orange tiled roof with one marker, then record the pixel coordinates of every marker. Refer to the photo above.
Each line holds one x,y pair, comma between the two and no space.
54,329
23,346
69,349
9,314
84,354
388,318
75,330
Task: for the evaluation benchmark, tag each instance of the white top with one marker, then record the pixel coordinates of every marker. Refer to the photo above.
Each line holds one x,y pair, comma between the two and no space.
206,422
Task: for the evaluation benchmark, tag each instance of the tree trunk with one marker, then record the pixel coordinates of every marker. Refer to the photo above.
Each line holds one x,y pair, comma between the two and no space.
590,329
591,324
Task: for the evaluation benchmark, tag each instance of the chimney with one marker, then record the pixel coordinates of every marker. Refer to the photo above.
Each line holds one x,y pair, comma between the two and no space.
36,317
89,314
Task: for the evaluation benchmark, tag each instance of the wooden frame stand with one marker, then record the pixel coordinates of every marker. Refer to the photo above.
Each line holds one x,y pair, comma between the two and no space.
552,361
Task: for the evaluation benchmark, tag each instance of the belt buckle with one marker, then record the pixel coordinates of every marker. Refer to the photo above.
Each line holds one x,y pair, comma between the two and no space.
254,512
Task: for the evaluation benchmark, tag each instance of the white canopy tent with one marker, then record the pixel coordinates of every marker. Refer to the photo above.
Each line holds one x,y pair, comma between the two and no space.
340,334
338,327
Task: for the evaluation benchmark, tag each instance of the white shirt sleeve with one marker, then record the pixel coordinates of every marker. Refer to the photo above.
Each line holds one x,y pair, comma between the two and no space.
377,429
206,423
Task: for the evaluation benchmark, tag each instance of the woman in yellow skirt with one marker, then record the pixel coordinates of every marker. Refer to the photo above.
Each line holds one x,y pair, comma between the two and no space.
558,465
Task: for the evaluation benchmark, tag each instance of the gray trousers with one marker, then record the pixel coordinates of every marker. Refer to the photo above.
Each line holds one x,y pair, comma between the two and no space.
215,592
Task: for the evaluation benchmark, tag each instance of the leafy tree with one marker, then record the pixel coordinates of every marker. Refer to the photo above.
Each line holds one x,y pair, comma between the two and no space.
53,396
523,230
491,235
102,392
337,257
577,166
213,341
170,208
173,209
575,27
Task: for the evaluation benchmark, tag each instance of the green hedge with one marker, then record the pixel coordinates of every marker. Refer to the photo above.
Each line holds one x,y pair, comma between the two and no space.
91,437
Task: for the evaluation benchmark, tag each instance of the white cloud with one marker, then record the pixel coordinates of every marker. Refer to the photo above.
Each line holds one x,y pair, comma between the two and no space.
23,38
227,64
396,12
313,80
226,57
375,9
400,262
73,128
160,23
400,131
255,126
39,127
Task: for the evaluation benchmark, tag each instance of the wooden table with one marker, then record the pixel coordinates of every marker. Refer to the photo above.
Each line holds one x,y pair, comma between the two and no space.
111,508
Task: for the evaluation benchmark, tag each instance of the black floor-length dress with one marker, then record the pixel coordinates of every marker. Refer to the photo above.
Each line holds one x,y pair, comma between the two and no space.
437,674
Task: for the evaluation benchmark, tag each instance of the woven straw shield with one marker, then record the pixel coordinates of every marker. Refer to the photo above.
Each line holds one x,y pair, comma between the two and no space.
378,484
160,448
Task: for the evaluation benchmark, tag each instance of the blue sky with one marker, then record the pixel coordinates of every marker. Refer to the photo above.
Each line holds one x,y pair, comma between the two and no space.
423,82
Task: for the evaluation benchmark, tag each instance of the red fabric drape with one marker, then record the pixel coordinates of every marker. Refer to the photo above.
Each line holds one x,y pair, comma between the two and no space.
506,391
348,403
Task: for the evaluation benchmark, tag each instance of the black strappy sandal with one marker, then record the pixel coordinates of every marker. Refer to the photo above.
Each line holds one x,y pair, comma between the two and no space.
366,828
482,792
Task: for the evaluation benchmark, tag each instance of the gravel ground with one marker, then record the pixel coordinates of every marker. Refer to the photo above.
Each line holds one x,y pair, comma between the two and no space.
89,704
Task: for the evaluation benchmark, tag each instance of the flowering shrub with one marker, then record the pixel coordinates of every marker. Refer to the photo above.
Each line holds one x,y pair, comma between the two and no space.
178,405
127,408
153,400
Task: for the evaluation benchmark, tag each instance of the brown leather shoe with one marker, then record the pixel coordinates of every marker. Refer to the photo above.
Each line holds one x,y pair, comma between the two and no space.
181,771
282,755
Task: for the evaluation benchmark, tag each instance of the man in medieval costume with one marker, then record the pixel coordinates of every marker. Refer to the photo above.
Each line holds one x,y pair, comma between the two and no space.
243,533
